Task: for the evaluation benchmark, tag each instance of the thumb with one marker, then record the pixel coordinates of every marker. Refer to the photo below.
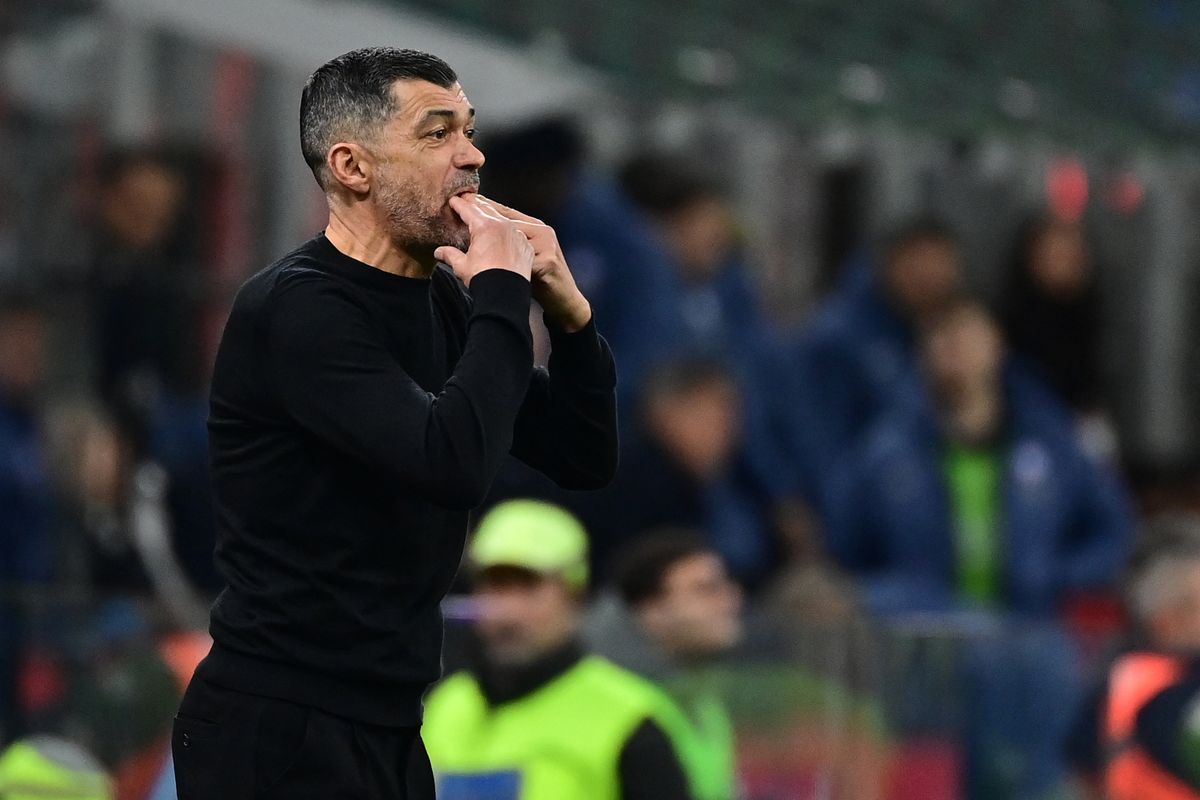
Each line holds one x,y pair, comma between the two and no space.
451,255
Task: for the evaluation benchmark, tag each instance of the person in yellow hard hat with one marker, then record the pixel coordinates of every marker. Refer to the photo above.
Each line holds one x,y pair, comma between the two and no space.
535,717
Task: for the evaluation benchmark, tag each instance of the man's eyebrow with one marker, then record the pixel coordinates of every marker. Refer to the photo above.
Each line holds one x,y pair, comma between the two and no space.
446,113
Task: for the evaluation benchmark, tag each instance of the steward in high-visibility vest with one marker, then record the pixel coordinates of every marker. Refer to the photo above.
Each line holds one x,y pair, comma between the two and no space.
562,741
536,718
1132,771
48,768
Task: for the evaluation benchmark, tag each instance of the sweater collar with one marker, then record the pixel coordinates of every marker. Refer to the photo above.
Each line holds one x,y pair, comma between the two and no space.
365,274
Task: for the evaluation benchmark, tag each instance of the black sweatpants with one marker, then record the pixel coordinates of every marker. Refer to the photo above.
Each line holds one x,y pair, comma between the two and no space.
233,746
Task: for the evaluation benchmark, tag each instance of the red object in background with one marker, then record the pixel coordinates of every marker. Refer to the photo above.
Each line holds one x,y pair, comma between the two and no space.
1095,620
1125,193
1067,188
184,651
42,683
926,770
929,769
1095,614
134,778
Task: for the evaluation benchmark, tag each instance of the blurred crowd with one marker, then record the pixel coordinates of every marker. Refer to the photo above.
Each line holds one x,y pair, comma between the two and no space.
915,465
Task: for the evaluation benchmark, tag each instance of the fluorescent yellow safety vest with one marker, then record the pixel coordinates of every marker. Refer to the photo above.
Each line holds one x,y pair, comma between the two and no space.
45,768
560,742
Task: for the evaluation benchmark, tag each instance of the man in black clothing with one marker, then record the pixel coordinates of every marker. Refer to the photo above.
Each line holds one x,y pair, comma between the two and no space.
362,401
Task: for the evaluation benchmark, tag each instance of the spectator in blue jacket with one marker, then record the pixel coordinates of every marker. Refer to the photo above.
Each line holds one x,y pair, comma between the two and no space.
684,465
721,310
722,314
25,489
26,497
857,359
980,495
615,257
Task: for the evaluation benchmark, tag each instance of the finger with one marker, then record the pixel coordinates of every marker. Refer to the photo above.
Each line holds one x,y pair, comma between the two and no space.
471,212
530,229
487,211
492,211
450,255
511,213
533,230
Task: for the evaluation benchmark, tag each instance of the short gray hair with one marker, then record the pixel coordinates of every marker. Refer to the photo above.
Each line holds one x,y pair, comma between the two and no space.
352,96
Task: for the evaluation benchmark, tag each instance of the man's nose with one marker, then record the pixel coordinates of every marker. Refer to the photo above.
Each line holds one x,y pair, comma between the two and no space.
469,157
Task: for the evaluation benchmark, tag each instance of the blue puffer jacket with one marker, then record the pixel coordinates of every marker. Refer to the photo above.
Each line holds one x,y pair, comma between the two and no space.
26,499
1066,520
855,362
625,273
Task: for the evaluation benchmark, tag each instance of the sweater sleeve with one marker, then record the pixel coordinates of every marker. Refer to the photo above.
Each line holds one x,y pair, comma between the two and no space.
567,427
649,768
335,378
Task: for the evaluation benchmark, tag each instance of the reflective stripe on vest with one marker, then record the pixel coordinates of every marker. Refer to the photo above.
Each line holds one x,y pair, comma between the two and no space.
1136,679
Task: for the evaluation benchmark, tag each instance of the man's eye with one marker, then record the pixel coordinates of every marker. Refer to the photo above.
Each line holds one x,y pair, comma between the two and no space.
470,133
439,134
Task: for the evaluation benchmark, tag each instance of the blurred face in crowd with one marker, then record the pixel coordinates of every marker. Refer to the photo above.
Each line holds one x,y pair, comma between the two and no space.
697,613
424,155
23,345
524,615
964,350
142,206
699,425
1058,260
921,275
700,235
103,459
1173,619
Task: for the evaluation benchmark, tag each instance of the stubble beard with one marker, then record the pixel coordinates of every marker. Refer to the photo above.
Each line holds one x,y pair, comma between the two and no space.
418,223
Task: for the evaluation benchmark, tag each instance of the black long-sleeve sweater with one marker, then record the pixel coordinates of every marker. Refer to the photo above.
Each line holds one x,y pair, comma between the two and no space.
356,417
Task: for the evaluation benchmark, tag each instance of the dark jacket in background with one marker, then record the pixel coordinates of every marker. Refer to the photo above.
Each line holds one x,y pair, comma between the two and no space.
1061,339
625,273
853,363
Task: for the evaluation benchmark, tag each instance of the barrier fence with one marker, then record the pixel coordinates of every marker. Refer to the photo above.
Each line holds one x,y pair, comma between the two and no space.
926,708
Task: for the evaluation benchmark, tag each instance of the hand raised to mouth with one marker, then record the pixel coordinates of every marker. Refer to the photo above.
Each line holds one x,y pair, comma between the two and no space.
496,242
553,285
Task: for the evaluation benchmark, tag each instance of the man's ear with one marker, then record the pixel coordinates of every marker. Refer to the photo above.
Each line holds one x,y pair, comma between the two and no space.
351,166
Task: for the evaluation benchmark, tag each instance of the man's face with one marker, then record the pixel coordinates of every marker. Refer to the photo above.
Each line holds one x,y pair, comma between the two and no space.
23,353
142,206
424,156
922,275
964,350
698,613
1177,626
523,615
1058,260
700,235
700,427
